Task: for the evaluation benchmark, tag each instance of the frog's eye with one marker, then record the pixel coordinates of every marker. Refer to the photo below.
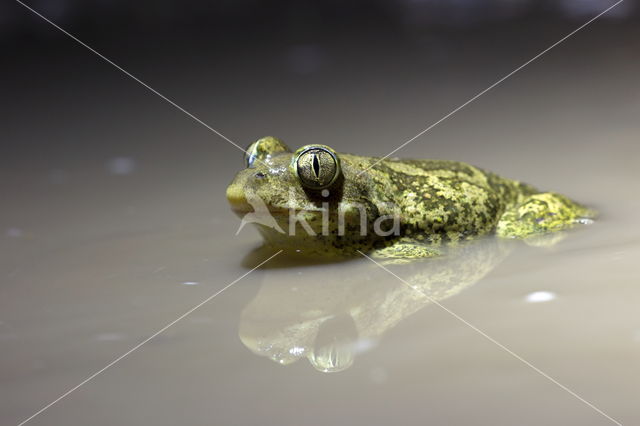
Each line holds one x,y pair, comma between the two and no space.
263,149
317,166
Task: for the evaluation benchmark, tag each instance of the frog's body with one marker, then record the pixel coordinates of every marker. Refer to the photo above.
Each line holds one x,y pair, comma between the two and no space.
395,208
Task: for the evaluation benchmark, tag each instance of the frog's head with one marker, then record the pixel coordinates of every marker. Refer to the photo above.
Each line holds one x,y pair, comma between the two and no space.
313,200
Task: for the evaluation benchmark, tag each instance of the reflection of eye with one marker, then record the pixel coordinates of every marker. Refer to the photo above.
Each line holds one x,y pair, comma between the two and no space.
317,167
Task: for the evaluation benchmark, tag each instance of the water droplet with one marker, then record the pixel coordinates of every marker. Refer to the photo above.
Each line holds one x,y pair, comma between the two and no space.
540,296
190,283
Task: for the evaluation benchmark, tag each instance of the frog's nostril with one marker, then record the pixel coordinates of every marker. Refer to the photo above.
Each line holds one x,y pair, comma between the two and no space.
259,175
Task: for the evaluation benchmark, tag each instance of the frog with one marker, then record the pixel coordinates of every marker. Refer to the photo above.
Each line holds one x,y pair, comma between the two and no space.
317,202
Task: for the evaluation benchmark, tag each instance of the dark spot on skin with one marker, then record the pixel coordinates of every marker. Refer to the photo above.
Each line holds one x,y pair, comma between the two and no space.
259,175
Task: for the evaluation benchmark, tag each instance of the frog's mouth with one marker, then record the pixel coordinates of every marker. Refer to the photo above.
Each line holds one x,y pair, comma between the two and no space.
241,206
242,210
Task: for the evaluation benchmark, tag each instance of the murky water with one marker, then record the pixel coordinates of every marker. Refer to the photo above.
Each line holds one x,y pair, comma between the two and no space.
105,243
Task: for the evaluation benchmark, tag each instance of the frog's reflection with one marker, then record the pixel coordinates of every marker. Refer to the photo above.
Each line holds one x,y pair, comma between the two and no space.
329,313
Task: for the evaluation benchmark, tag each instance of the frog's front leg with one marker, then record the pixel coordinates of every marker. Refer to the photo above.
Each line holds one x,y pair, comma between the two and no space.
405,251
541,213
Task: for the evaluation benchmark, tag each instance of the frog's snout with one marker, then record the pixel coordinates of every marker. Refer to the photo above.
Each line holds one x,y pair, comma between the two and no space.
237,199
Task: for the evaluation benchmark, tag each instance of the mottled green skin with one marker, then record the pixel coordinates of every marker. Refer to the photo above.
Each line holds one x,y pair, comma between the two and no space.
435,201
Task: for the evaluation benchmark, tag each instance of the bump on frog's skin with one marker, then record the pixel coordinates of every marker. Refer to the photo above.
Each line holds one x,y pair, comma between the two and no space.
436,201
263,149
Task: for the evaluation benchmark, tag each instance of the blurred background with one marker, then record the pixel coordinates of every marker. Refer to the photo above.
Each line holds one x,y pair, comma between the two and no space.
113,220
244,67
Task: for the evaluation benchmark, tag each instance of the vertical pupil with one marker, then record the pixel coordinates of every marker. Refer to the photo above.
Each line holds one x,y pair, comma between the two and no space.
316,166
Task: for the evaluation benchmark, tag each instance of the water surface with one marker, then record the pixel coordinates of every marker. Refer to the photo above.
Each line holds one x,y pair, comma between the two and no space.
114,224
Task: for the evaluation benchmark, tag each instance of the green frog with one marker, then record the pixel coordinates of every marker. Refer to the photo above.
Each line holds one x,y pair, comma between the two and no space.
316,201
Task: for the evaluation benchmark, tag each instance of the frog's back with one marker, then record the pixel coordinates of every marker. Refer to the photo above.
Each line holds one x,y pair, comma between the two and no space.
446,199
